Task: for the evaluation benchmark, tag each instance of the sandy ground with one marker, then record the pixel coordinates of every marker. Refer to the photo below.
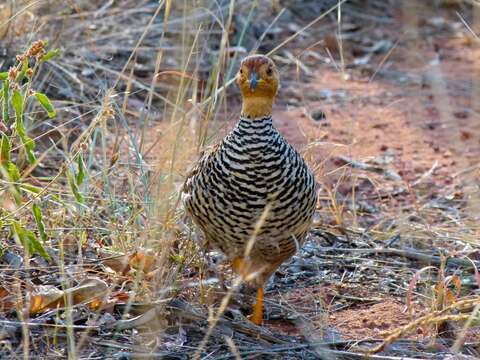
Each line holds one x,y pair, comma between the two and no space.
415,114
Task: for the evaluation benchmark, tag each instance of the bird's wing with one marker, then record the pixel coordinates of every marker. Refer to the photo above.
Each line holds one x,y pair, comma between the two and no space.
205,158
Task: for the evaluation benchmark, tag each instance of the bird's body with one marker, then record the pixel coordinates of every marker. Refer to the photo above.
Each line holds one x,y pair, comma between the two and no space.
252,168
253,196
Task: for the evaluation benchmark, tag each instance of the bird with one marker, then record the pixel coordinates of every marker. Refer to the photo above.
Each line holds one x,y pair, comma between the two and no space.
252,195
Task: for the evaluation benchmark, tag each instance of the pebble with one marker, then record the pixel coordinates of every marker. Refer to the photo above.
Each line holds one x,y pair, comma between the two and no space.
318,115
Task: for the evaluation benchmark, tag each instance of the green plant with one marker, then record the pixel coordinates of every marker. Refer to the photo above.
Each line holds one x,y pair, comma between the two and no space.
17,148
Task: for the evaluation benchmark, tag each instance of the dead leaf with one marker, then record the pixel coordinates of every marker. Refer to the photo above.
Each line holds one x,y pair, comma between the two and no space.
119,264
7,302
153,274
143,259
70,243
92,289
47,297
450,297
411,287
122,296
457,282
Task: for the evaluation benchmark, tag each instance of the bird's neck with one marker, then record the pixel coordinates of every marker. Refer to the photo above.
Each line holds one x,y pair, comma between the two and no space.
257,107
254,125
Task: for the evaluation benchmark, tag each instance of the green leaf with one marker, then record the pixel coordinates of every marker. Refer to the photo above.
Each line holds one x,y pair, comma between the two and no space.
28,240
37,214
81,170
17,103
18,232
28,143
5,149
3,75
23,71
13,176
74,188
51,54
6,116
30,188
13,172
46,104
36,245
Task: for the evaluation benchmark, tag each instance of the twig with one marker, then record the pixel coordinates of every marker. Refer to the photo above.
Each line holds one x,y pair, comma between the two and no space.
367,167
38,324
412,254
185,311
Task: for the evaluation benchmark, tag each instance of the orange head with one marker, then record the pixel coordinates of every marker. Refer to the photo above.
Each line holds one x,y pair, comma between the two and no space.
258,80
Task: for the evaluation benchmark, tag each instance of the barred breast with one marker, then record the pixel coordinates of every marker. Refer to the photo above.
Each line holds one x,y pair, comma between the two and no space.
231,186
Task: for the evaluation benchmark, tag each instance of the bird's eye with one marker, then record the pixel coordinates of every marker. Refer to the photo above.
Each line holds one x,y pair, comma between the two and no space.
241,71
269,71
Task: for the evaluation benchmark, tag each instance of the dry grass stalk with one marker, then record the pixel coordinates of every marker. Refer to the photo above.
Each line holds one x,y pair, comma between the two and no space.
433,318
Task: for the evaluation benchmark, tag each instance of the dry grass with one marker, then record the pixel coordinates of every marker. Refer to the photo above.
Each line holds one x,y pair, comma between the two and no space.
140,89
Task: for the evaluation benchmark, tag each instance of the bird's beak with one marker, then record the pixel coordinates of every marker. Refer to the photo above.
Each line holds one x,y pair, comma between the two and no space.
253,80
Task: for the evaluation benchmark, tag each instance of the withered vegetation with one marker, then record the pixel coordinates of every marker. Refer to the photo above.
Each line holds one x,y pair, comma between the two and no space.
105,105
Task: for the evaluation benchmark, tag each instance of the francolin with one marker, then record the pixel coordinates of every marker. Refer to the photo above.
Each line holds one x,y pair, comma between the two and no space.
253,196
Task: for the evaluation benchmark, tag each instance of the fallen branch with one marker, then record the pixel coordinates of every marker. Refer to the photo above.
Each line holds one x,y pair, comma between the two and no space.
390,174
415,255
179,309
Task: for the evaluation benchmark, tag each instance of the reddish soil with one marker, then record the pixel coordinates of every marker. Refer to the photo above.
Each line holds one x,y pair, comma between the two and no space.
429,128
370,321
410,121
362,313
415,111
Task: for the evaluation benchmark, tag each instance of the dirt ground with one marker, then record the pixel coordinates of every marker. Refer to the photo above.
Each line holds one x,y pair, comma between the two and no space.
414,112
395,144
385,108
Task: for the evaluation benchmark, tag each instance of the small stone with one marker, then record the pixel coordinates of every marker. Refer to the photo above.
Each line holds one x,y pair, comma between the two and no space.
465,135
325,94
318,115
461,114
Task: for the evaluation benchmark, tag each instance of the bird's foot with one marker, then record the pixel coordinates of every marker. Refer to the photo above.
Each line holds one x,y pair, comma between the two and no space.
243,268
257,316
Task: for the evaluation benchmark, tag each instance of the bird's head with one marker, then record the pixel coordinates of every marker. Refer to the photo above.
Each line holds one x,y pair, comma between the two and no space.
258,80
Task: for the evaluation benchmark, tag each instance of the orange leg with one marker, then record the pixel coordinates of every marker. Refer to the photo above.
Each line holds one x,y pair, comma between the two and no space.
240,267
257,316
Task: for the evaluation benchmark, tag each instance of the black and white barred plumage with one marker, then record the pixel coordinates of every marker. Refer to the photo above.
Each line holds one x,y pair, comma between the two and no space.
228,190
